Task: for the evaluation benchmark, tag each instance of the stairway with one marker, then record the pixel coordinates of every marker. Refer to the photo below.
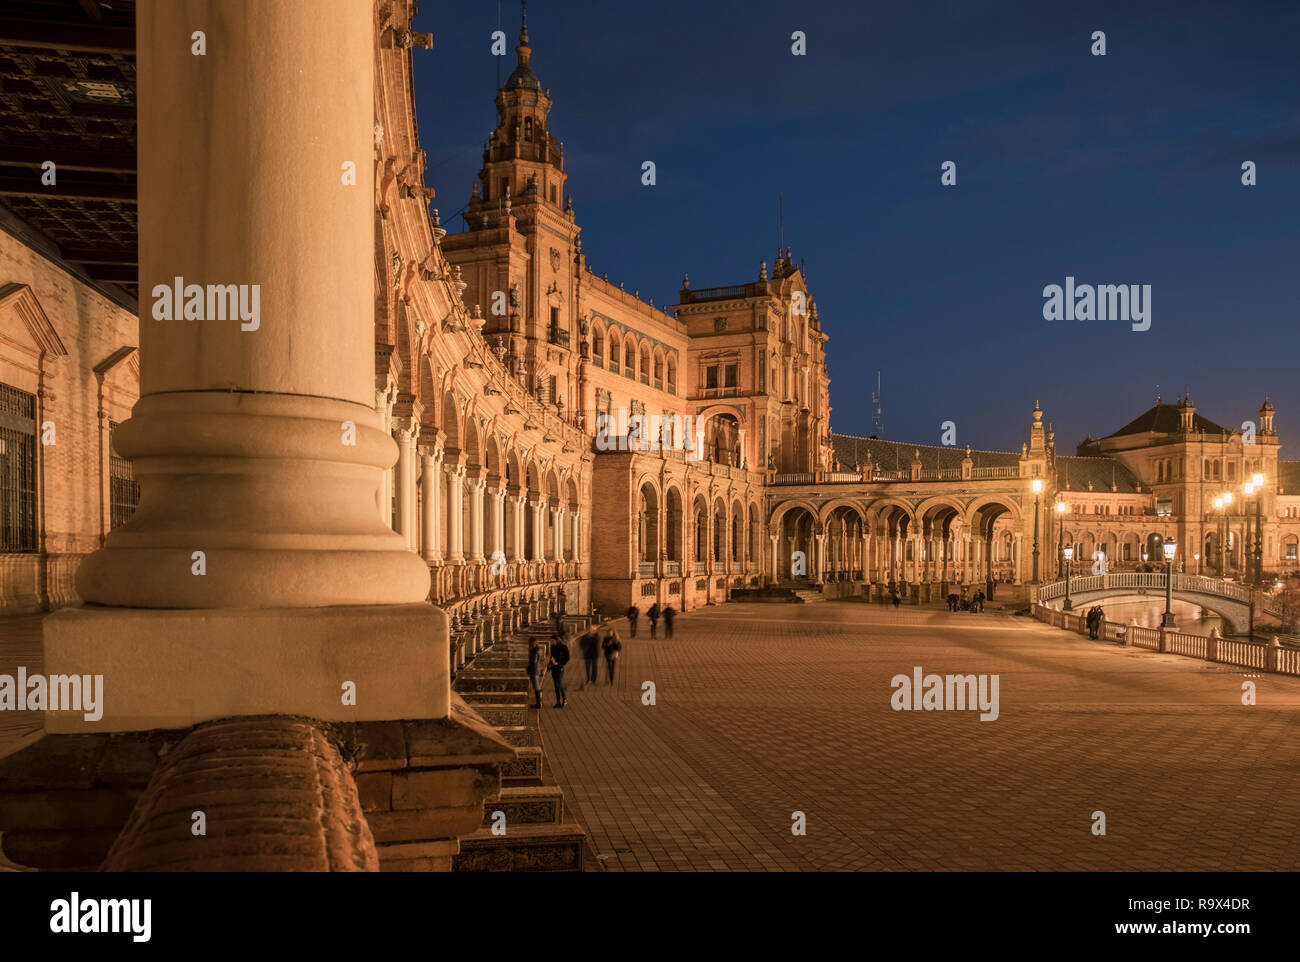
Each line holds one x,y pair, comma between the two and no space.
540,836
809,595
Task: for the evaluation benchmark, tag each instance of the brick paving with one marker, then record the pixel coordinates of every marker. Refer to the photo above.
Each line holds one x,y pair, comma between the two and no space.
764,710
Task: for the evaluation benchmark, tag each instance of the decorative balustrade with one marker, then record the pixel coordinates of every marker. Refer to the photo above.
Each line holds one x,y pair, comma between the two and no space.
645,569
1232,651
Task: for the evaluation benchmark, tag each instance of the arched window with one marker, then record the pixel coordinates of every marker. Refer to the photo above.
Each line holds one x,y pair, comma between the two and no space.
735,537
613,351
597,343
717,536
672,376
645,364
701,534
629,358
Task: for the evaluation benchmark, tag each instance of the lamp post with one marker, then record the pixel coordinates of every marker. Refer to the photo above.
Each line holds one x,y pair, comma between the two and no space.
1223,544
1060,535
1038,488
1259,529
1197,556
1248,490
1069,557
1168,620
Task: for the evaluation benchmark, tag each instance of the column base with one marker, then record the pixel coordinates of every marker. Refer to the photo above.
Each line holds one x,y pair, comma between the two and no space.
178,668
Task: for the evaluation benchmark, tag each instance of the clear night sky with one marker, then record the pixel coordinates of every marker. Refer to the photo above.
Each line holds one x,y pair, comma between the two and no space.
1117,169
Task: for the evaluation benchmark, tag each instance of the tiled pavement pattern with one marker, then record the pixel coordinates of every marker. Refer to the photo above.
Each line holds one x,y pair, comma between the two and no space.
764,710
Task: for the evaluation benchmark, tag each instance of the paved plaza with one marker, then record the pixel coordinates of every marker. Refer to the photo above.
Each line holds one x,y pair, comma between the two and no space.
765,710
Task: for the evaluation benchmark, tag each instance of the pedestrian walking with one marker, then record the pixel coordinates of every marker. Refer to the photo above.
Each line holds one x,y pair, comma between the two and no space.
537,658
653,615
980,598
895,597
589,643
633,613
612,646
559,658
669,614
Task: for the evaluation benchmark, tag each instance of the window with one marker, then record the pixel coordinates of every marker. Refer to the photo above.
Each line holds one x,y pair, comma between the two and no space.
597,345
1291,551
1232,471
1217,470
672,376
629,358
1127,552
123,489
730,373
17,470
613,352
711,376
1164,507
552,193
554,332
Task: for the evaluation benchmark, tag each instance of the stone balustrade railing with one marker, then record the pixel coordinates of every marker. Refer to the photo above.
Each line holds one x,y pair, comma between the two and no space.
1272,657
1143,581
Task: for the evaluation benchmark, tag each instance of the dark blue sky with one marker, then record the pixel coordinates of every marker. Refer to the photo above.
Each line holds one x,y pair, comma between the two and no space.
1117,169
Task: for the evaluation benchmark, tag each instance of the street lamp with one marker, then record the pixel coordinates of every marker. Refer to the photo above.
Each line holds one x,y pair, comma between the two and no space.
1168,620
1197,556
1248,489
1223,545
1038,488
1060,533
1069,557
1258,481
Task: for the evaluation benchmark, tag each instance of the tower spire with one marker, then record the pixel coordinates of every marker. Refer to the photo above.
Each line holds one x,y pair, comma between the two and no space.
523,51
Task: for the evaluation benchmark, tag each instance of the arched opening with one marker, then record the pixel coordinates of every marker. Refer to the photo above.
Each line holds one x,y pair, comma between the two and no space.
672,376
700,511
719,530
796,548
648,526
614,345
672,525
737,533
629,358
598,343
645,364
754,535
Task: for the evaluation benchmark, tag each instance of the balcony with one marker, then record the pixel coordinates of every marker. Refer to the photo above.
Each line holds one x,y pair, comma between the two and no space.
645,569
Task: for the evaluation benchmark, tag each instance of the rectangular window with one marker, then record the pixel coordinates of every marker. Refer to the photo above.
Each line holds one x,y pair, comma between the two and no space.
1232,471
123,489
711,377
730,374
17,470
1128,552
1291,551
1164,507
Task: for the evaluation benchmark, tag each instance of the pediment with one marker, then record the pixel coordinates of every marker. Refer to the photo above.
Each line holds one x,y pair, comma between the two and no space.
22,301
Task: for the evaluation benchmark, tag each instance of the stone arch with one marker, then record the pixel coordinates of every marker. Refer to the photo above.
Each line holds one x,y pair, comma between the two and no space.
615,348
647,530
598,338
515,472
738,532
629,354
777,517
718,530
674,522
472,446
658,369
700,527
755,531
492,461
450,420
830,507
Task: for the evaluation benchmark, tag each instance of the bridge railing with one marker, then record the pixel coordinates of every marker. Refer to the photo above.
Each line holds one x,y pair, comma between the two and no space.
1155,581
1230,651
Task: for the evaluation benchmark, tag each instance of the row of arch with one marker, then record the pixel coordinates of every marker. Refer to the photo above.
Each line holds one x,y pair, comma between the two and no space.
717,529
644,359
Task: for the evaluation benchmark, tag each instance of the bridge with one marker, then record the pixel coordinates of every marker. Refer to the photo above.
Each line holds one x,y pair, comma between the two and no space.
1231,601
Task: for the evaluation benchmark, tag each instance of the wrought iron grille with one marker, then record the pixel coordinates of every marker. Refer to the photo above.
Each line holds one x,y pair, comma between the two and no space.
123,489
17,470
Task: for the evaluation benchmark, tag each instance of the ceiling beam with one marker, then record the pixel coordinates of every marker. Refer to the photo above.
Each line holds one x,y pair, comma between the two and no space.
92,11
103,162
99,255
52,35
66,190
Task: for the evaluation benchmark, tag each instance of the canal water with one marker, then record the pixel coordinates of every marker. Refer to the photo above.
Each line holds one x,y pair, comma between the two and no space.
1192,619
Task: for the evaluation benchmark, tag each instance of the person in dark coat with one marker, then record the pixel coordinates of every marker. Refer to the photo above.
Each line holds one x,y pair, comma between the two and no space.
612,646
559,658
536,668
894,595
669,614
980,598
633,613
653,615
590,645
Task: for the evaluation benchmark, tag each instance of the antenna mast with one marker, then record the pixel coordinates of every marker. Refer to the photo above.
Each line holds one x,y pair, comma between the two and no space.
878,418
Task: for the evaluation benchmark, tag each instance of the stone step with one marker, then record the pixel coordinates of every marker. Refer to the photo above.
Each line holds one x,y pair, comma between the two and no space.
527,805
493,698
470,679
519,736
503,715
524,848
527,767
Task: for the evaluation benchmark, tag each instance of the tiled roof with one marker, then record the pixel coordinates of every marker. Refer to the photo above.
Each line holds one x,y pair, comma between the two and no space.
1163,419
1102,472
851,451
1288,476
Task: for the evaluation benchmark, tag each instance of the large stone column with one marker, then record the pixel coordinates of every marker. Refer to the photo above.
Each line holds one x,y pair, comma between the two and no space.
539,531
518,520
557,524
256,576
576,531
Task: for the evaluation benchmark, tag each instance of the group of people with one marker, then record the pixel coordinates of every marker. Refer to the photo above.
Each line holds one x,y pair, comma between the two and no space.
668,612
555,659
1093,620
960,602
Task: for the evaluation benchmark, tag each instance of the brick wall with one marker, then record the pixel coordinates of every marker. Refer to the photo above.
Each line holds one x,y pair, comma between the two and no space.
72,479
